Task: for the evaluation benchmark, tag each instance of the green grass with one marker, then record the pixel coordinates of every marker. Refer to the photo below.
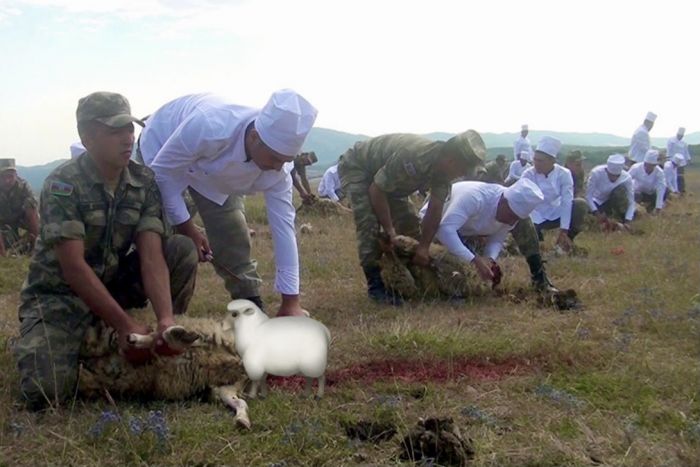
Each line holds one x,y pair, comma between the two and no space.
616,382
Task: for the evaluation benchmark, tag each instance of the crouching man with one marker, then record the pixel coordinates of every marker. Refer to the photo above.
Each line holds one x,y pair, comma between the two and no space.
610,193
477,210
100,251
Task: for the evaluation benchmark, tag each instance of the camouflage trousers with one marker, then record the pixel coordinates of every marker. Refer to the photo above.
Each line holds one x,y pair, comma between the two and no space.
680,177
403,216
616,205
648,200
52,326
229,239
579,208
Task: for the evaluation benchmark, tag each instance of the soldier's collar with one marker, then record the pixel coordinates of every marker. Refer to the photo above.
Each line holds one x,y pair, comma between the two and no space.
93,175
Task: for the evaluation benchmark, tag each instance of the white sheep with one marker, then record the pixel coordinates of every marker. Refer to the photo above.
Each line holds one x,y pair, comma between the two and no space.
284,346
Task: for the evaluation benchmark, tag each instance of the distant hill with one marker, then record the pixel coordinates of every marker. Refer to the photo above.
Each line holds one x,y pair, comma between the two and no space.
331,144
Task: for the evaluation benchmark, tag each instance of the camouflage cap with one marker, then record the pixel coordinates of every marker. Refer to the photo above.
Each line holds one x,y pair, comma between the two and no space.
109,108
469,145
312,157
574,156
7,164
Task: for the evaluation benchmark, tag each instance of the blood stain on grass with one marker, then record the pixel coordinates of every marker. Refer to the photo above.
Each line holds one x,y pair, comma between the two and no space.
414,371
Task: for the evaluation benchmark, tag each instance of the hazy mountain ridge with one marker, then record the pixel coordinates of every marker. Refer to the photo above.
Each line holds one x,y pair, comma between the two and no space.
330,144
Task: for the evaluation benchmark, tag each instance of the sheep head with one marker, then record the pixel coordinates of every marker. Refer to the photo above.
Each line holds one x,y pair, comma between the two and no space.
244,316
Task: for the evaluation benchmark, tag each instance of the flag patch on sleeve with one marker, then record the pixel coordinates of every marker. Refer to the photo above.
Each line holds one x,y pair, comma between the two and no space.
60,188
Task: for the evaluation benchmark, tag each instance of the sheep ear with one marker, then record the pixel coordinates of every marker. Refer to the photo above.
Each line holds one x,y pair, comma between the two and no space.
249,311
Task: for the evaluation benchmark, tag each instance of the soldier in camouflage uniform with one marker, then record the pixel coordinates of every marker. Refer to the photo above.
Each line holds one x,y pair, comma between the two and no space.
379,174
495,171
574,162
17,211
101,251
301,183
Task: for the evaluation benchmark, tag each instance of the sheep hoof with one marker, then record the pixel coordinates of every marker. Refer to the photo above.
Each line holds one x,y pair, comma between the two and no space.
317,398
178,337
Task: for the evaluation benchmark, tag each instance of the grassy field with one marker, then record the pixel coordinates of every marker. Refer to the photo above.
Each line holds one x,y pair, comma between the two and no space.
615,383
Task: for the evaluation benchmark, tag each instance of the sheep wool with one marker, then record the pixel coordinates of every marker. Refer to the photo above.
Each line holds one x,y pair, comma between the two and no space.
285,346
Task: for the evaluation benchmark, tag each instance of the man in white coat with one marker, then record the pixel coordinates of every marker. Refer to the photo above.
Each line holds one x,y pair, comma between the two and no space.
610,192
649,182
671,173
676,145
522,143
641,143
219,151
559,209
330,184
487,212
517,167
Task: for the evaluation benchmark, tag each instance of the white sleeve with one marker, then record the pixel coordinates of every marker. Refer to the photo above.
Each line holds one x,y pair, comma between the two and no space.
566,189
590,191
660,188
631,204
280,215
453,219
494,244
511,172
190,141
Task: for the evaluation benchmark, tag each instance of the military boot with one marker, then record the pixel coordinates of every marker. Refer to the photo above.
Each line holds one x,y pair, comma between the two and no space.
539,278
376,290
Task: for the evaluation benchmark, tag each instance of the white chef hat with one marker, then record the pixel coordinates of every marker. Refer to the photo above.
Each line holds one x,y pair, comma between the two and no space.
615,164
523,196
549,145
651,157
76,149
681,131
525,155
523,127
651,116
285,121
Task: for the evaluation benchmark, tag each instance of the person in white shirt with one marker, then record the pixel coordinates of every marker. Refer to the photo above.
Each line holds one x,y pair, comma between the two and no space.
559,209
76,149
640,140
671,173
477,210
676,145
219,151
522,143
649,182
610,193
517,167
330,185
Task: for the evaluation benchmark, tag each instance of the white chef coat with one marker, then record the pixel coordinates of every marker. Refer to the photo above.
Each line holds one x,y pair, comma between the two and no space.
330,183
649,183
198,141
640,144
470,211
558,190
599,187
521,144
675,146
671,174
515,171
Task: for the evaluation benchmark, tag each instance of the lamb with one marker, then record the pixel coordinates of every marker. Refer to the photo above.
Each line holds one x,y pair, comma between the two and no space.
209,362
282,346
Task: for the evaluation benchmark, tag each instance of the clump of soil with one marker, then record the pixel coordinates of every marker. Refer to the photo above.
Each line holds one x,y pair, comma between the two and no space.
369,430
438,439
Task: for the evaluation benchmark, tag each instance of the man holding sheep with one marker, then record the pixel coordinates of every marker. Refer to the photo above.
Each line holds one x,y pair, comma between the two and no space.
219,151
379,174
102,249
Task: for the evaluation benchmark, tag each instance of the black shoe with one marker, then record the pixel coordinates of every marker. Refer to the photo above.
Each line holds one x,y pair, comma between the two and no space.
376,290
258,302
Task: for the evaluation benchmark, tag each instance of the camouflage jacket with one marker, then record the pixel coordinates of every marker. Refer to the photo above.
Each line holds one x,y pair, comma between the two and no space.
495,173
75,205
399,164
14,202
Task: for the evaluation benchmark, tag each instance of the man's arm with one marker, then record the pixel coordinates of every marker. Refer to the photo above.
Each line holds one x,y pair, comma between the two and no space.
660,188
429,227
155,276
31,216
3,252
631,204
82,279
380,205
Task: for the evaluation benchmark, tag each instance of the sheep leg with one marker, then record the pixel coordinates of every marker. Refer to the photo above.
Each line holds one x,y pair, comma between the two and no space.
253,389
307,387
229,396
321,386
263,386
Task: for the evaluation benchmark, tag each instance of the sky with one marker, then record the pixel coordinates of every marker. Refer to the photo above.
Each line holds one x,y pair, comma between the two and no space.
369,66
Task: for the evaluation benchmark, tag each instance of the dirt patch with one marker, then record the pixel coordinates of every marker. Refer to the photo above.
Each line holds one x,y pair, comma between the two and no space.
414,371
